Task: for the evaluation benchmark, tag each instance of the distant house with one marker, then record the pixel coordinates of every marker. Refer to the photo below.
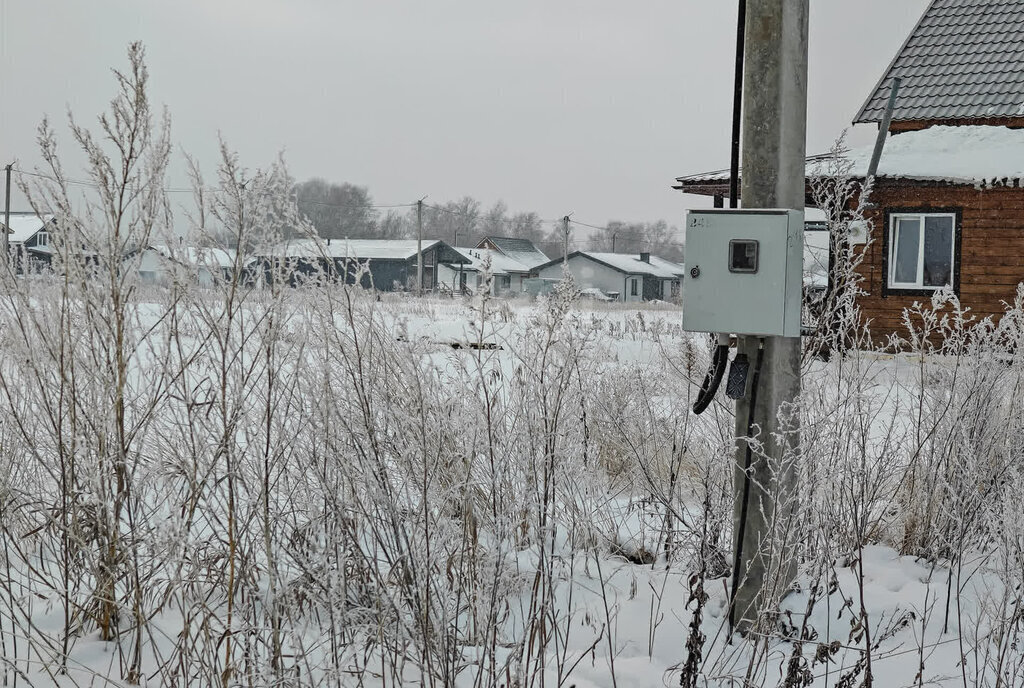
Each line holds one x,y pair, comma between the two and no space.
201,265
623,276
522,251
947,207
507,274
510,261
383,264
28,240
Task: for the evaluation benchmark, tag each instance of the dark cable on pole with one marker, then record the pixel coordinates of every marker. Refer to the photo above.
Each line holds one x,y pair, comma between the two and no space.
720,357
713,379
737,107
745,503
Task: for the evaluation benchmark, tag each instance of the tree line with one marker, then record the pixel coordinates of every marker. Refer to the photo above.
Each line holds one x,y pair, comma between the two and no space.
345,210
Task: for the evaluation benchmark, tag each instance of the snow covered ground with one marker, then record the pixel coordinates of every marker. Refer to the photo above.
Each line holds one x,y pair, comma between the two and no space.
328,489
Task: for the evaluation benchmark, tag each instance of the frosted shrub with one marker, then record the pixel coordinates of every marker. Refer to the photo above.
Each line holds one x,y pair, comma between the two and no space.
278,479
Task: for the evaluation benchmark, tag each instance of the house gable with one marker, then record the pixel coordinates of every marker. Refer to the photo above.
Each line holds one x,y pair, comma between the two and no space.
963,63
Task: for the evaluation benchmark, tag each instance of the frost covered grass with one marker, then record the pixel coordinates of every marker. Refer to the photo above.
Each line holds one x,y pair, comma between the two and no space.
320,490
261,484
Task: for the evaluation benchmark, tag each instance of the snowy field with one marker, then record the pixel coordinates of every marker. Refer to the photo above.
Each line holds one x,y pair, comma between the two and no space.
318,487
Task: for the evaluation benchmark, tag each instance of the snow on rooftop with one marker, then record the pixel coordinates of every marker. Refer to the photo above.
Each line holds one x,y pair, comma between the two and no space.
24,225
221,257
631,263
360,249
500,263
520,250
977,155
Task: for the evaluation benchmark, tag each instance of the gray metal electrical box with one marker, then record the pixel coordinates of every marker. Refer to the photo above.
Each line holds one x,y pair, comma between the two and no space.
744,272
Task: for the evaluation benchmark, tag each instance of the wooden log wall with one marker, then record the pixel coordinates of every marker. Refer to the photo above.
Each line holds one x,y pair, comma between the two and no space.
992,248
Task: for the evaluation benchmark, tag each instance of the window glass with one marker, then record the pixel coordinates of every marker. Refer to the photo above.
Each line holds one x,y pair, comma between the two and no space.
632,289
906,249
938,251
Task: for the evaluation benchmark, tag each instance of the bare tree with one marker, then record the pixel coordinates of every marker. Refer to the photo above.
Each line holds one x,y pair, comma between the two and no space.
338,211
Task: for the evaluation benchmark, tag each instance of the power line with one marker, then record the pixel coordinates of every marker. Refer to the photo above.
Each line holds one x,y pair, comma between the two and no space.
638,236
506,221
584,224
364,206
476,216
210,189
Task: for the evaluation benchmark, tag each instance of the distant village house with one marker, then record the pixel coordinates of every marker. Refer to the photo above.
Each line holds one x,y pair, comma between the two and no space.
509,261
29,241
382,264
621,276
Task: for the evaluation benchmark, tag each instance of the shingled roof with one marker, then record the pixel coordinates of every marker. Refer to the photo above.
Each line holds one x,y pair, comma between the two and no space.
963,60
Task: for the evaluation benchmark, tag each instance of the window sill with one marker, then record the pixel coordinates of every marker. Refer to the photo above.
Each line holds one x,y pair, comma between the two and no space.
915,291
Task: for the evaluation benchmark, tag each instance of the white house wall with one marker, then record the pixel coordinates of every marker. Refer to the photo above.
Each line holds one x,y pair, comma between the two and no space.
152,266
589,274
447,277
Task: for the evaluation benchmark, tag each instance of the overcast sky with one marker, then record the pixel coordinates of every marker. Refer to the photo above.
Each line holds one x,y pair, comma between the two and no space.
589,106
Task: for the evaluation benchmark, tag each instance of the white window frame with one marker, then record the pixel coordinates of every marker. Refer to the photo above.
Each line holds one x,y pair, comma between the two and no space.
42,238
894,219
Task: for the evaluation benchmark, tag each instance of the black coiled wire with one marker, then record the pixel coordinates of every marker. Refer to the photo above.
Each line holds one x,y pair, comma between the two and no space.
713,379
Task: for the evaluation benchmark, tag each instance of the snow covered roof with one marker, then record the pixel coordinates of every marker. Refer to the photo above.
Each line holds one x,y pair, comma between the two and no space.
521,250
629,263
633,265
196,255
979,155
501,264
361,249
24,225
963,60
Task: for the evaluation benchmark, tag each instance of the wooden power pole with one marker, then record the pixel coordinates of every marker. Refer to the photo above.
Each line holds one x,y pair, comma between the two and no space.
774,167
565,242
7,216
419,246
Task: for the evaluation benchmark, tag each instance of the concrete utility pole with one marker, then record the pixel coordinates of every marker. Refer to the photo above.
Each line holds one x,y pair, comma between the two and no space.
774,143
419,246
7,215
